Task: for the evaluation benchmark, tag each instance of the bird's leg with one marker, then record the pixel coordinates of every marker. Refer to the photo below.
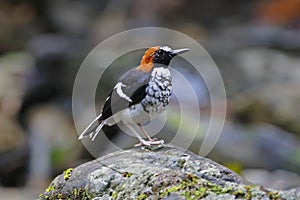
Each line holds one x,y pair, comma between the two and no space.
142,141
146,134
136,134
153,140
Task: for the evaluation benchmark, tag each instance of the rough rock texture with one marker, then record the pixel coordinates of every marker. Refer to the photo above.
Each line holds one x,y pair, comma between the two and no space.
158,172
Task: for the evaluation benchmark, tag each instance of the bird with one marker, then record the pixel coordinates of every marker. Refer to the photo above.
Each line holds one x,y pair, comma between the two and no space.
139,96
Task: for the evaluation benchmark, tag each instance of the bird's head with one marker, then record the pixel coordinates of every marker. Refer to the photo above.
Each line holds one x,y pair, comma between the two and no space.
160,55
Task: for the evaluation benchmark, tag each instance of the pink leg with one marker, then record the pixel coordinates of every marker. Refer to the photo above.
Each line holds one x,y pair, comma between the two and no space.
146,134
142,141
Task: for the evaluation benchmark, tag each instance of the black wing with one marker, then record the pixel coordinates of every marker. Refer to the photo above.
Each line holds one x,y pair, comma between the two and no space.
134,86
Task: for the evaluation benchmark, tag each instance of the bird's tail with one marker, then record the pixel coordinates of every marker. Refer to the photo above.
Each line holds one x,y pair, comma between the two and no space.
92,129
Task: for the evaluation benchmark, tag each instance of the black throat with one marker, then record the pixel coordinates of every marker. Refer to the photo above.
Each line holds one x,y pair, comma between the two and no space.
164,60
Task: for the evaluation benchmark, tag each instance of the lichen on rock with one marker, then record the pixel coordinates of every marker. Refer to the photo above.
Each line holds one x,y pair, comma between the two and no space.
158,172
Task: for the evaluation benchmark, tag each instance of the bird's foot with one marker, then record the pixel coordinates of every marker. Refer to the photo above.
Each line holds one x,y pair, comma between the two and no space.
152,139
150,142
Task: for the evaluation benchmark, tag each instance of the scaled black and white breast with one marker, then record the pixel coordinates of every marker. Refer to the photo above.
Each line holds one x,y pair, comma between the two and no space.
158,91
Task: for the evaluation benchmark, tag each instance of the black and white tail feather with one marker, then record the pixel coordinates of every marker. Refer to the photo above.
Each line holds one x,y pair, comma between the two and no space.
92,129
134,84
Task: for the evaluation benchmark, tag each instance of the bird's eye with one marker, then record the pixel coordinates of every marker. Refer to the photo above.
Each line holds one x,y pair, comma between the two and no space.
160,52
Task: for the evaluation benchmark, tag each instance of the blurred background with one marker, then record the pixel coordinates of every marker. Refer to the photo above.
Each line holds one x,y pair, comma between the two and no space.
255,44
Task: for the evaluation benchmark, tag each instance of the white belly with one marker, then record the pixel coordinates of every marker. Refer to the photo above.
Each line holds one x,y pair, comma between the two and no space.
133,115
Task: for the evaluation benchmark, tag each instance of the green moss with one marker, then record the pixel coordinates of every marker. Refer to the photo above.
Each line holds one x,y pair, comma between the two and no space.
186,194
228,190
239,193
274,195
59,196
85,195
248,192
53,193
216,189
114,195
174,188
67,174
201,192
193,188
142,196
187,188
197,194
126,174
75,192
50,188
181,162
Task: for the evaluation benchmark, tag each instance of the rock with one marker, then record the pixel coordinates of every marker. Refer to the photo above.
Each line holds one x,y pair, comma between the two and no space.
157,172
291,193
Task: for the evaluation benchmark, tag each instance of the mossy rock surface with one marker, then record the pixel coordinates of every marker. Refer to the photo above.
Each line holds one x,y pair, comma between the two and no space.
158,172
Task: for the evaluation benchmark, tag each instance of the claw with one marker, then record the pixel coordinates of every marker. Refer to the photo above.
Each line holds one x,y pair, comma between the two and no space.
149,143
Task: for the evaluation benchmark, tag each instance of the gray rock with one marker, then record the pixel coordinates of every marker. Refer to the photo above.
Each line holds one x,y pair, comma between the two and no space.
292,194
158,172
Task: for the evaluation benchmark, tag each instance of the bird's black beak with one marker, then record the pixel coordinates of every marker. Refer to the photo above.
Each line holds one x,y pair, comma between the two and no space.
179,51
